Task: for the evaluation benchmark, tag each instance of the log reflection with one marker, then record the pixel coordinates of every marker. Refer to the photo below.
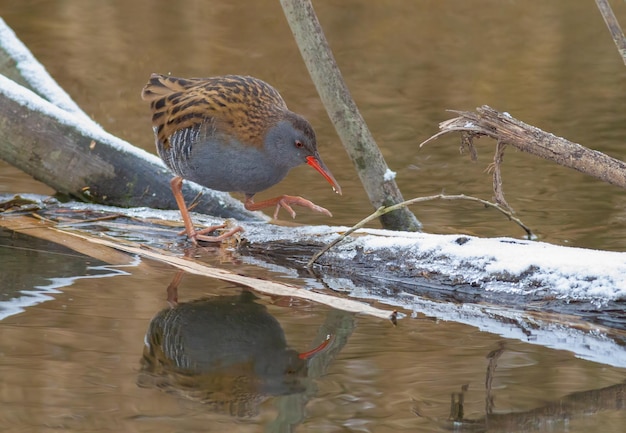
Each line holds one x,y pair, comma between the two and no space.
571,406
544,418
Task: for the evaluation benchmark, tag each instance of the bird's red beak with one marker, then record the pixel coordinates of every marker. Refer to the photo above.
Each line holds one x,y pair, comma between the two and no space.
317,164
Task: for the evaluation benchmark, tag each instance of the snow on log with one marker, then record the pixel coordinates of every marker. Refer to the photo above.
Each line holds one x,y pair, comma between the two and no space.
560,297
18,64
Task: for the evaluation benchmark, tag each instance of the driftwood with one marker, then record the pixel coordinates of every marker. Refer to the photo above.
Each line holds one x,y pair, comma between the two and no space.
357,139
47,136
509,131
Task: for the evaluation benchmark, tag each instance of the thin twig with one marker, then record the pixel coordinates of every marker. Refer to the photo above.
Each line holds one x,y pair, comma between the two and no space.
497,175
383,210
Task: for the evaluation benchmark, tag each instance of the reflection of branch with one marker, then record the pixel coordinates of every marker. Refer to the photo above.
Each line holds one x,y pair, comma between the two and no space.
569,407
493,357
457,404
457,399
340,325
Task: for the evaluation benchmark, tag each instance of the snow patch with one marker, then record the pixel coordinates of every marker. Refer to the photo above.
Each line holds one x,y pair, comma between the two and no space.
36,75
389,175
509,265
27,98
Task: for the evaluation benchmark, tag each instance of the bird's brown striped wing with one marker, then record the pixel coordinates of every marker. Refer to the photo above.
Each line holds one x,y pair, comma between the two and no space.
242,107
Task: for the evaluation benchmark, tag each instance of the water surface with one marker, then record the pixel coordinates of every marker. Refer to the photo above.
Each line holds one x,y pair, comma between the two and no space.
74,362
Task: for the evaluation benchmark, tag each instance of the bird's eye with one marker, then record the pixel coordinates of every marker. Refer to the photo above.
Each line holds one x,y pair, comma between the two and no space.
299,144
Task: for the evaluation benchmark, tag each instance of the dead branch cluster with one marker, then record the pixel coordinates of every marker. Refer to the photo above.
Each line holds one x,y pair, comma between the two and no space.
506,130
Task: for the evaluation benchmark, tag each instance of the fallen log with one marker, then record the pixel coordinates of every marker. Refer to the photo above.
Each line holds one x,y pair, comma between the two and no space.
561,297
46,135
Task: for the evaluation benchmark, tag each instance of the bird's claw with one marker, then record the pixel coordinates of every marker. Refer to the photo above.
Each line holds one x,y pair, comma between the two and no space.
200,235
285,203
286,207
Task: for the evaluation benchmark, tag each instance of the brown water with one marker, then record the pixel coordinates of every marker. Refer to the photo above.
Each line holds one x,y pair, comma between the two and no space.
73,362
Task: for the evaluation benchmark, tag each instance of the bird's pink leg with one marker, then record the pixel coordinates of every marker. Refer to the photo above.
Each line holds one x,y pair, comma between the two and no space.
172,289
284,201
195,236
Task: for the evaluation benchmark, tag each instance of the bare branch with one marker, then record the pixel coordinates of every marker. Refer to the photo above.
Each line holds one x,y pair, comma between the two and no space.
497,176
527,138
614,27
382,210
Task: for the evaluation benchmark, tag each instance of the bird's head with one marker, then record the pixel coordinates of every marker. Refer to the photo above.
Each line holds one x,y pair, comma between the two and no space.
291,142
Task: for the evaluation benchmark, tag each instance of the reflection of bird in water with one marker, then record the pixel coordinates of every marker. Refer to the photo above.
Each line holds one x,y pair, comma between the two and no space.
227,352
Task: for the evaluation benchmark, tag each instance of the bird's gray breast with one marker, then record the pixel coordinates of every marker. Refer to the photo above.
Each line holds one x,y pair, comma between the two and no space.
219,162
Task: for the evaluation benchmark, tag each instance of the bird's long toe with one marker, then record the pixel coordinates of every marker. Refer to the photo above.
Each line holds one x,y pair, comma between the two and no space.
290,200
283,204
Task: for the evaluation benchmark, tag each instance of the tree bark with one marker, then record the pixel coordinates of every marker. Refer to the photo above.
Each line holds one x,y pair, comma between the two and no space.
614,28
356,138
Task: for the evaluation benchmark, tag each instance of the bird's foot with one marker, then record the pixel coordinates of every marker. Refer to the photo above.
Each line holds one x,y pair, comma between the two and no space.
285,202
200,235
197,235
